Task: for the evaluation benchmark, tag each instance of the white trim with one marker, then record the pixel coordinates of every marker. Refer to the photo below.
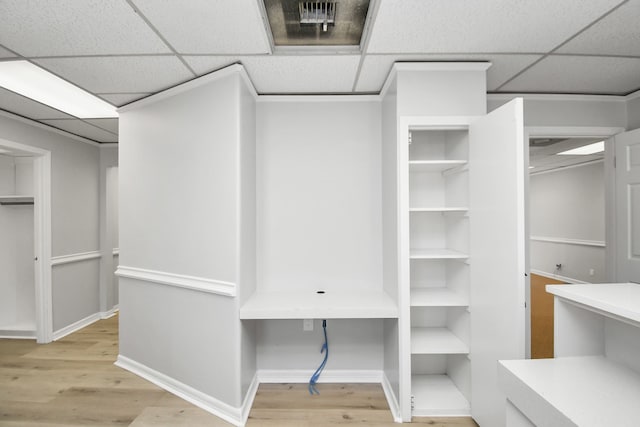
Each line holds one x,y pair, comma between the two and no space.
558,277
200,284
632,96
110,313
553,97
48,128
567,241
318,98
442,66
191,84
394,407
116,252
108,145
280,376
67,259
572,131
76,326
17,337
184,391
247,403
563,168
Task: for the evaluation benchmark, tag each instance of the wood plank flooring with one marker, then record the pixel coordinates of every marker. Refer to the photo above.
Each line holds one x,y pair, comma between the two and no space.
73,382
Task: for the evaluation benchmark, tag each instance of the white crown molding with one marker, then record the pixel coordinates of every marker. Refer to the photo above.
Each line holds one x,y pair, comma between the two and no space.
319,98
200,284
554,97
48,128
109,145
633,95
572,131
576,242
67,259
202,400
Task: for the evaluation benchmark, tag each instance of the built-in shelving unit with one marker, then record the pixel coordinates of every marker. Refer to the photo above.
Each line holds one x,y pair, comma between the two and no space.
438,237
594,380
319,304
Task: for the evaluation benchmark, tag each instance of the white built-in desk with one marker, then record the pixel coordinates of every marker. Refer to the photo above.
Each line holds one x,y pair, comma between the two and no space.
357,304
594,379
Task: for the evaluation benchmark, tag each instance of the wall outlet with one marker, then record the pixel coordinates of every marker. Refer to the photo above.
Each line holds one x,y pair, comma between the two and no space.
307,324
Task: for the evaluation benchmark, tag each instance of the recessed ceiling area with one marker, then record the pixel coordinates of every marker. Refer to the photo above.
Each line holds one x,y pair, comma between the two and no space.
543,153
316,23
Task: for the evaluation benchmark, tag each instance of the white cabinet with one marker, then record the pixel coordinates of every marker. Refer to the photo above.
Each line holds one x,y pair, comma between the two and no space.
595,378
462,236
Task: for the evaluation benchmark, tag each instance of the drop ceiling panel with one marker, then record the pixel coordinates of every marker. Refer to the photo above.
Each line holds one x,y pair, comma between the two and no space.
120,74
205,26
206,64
275,74
26,107
4,53
120,99
110,125
81,128
72,27
579,74
375,68
413,26
616,34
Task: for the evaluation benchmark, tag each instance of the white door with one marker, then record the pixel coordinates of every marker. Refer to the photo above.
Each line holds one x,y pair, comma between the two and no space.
627,148
497,254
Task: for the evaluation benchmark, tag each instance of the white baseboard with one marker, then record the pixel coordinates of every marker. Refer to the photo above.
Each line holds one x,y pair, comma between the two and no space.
249,398
394,407
82,323
110,313
329,376
216,407
557,277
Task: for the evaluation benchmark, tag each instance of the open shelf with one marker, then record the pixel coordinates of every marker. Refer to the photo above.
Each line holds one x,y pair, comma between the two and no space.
357,304
434,165
436,254
439,209
585,391
437,297
437,395
436,341
16,200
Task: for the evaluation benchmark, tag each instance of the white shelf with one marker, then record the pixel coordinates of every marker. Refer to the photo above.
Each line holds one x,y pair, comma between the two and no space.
439,209
437,395
585,391
359,304
436,341
16,200
620,301
436,254
437,297
434,165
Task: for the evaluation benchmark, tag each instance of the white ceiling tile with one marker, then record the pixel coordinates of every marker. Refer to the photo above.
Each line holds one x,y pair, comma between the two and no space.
110,125
120,74
579,74
205,64
4,53
78,127
75,27
120,99
205,26
375,68
616,34
26,107
438,26
302,74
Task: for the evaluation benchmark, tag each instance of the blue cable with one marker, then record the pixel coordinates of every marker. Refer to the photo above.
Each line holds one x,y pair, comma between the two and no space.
316,374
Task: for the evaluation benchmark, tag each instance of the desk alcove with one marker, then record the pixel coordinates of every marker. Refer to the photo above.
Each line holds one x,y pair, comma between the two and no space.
236,208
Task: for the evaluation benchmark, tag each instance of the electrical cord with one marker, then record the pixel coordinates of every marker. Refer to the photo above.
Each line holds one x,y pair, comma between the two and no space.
325,348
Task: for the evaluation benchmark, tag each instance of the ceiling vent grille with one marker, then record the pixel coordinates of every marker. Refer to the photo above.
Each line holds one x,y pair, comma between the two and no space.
318,12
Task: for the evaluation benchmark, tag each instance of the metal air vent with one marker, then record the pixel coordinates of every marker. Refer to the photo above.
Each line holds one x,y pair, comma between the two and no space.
317,13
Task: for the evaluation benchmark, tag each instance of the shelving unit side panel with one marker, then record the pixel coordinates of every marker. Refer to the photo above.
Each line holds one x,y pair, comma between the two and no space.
622,343
577,332
427,145
437,395
426,189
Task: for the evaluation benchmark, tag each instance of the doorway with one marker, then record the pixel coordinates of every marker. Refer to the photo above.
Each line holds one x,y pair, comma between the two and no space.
25,220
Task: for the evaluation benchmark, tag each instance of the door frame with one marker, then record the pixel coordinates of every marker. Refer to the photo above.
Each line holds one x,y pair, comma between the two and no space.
42,237
574,132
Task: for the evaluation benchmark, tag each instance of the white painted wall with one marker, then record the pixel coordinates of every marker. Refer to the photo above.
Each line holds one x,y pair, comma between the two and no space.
319,222
633,113
180,195
108,227
569,204
74,213
17,290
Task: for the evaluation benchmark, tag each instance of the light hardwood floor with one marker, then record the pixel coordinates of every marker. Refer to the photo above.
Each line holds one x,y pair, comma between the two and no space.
73,382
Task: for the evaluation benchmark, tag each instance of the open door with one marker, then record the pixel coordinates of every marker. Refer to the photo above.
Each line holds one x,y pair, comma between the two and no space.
627,176
497,254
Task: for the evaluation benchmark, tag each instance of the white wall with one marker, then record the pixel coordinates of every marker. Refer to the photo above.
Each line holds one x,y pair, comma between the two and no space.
108,227
180,181
319,221
568,204
633,113
74,214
